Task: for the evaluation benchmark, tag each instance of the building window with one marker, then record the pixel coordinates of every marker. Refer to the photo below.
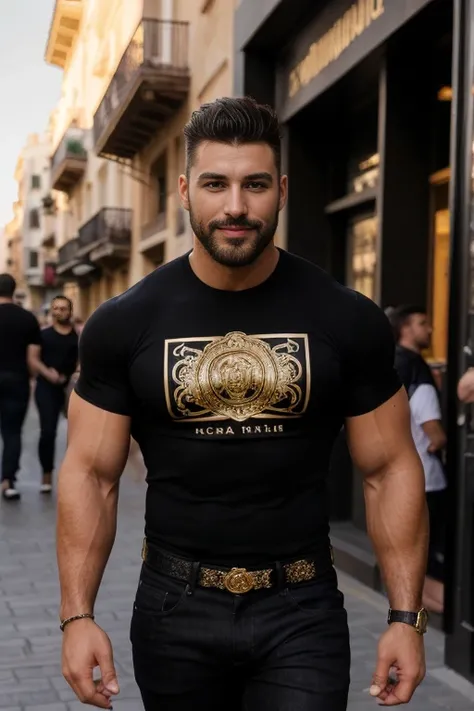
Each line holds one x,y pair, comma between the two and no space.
33,259
159,180
36,182
34,218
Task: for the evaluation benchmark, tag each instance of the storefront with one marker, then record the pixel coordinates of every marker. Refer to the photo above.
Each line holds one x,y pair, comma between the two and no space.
379,176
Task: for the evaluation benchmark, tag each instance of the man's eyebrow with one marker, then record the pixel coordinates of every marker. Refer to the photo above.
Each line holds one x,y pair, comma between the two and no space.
247,178
259,176
212,176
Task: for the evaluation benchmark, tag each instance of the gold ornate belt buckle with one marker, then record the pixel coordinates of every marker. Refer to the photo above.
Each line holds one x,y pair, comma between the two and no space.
239,581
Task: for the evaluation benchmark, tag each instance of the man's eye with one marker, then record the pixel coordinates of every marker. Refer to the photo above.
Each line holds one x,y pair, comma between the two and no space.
214,185
256,186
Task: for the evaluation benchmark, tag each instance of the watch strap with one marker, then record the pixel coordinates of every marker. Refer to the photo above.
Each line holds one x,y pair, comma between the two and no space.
408,618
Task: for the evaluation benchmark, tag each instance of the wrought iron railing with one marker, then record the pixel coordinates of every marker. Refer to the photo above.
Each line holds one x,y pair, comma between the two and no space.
156,44
111,224
68,252
71,146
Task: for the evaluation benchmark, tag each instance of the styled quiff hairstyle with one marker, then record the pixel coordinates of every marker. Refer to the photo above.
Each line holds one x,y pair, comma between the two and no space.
234,121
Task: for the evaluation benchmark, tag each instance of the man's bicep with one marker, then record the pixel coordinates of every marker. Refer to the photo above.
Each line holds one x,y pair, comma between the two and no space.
381,438
424,404
98,441
33,353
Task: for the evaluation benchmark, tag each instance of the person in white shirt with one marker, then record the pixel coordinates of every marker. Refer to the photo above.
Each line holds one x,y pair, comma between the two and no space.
412,333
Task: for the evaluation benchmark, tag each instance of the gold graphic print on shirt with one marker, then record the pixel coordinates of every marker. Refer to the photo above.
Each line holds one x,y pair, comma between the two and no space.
237,377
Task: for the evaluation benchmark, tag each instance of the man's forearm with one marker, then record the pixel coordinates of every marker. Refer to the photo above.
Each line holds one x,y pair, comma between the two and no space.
87,520
397,521
37,367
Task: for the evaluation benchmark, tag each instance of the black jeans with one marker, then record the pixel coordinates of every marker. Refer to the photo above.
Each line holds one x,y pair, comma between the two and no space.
14,397
50,403
272,650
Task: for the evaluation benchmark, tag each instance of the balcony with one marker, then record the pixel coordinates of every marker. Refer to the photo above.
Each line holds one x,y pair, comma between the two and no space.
49,242
106,237
68,257
69,162
149,85
63,32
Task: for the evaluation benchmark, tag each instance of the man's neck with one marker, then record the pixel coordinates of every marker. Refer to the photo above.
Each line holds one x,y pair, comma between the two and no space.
409,346
63,329
224,278
5,300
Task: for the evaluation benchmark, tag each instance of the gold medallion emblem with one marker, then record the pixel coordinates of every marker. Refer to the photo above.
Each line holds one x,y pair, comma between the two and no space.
238,377
238,581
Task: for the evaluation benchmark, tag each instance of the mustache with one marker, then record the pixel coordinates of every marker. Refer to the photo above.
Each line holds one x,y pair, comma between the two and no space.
242,222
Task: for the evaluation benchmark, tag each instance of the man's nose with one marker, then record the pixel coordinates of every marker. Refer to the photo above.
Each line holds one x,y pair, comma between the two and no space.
235,204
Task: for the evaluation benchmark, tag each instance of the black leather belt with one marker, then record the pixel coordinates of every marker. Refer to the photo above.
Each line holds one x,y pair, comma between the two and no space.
237,580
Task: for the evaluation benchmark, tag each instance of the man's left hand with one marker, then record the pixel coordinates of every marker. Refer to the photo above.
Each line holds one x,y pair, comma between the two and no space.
401,649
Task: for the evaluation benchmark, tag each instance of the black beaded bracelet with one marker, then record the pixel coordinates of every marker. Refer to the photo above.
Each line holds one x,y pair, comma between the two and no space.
85,616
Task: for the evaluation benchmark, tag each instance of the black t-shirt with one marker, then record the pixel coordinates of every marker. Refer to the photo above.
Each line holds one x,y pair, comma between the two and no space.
18,330
236,399
59,351
412,369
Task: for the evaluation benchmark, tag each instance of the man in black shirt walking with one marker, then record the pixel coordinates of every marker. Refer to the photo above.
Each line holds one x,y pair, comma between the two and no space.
234,368
59,351
19,359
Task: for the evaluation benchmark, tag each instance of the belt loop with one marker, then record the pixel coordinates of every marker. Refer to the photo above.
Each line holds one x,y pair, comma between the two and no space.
193,578
280,575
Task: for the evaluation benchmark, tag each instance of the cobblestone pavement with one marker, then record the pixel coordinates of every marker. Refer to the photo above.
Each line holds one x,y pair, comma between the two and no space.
30,676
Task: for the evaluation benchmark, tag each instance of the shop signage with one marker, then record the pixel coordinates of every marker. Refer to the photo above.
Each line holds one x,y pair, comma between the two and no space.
332,44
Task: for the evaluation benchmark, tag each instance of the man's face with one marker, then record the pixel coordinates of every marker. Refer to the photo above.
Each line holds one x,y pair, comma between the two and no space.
419,331
234,194
61,311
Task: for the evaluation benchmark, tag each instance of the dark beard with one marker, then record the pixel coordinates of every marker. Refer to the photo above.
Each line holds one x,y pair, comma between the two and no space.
237,252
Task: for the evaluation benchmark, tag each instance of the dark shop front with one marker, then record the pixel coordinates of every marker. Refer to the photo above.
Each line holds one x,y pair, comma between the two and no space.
376,102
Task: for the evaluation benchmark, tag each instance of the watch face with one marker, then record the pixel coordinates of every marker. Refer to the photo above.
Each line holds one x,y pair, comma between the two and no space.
422,621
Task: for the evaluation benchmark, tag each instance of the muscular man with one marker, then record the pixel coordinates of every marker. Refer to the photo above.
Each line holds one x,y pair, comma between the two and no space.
234,368
59,350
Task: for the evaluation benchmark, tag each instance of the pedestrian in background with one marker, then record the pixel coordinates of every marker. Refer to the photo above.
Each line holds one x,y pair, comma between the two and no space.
412,333
20,349
59,351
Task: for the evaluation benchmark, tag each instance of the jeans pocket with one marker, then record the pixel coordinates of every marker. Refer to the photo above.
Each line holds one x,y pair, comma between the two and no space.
312,599
158,601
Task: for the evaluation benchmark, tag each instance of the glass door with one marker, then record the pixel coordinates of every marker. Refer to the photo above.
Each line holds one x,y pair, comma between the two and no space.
362,254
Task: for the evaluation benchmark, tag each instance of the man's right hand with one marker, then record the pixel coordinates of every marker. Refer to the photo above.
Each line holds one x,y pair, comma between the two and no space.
86,646
53,376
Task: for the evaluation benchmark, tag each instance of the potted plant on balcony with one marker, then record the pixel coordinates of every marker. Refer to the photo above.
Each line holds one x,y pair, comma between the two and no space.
49,205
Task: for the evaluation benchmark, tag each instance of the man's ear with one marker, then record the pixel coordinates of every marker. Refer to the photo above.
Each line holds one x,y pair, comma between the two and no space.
183,190
283,192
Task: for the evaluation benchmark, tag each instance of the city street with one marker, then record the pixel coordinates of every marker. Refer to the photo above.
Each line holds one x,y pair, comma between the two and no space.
30,676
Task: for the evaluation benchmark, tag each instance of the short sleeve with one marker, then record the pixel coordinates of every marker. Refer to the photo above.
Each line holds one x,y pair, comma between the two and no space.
371,378
34,332
103,361
424,404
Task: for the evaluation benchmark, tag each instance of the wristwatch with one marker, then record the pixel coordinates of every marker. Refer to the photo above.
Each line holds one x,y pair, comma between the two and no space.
418,620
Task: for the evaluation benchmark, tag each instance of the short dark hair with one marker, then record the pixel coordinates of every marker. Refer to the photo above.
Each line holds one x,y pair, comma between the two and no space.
60,297
400,316
233,121
7,286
